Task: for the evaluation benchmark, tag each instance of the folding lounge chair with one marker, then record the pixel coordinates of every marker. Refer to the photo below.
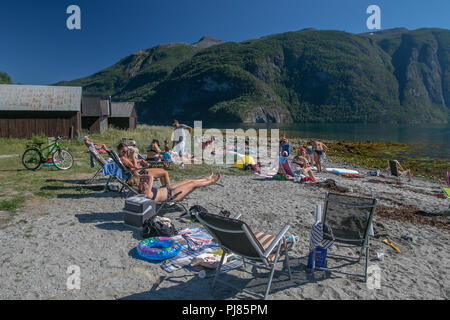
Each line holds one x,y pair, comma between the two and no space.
394,168
347,220
127,172
170,203
236,237
94,154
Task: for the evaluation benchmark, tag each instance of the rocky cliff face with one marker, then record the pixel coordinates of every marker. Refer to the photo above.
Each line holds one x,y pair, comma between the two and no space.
422,67
305,76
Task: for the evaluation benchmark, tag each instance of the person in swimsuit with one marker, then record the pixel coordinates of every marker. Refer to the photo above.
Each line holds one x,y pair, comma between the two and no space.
310,155
403,171
175,192
302,163
284,145
127,158
98,146
319,149
154,152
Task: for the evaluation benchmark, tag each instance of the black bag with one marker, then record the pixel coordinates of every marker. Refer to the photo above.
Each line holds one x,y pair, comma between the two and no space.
196,209
154,227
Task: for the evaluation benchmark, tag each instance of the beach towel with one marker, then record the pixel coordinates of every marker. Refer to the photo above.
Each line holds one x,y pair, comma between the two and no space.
186,257
287,169
197,238
446,191
111,169
316,237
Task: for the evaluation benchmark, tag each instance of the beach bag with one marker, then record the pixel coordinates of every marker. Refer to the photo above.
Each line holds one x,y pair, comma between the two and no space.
158,227
321,258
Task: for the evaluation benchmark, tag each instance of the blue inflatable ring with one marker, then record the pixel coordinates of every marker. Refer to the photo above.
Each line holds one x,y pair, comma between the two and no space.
158,248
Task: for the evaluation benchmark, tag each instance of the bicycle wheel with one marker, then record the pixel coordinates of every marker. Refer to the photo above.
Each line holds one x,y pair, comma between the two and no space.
62,159
32,158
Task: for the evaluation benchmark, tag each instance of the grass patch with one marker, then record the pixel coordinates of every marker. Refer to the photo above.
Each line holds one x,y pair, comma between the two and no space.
11,205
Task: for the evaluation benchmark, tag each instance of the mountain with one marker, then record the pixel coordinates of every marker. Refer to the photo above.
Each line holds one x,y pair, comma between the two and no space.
310,75
5,78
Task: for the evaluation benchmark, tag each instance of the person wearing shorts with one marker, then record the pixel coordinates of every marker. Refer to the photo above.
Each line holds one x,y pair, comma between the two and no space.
179,139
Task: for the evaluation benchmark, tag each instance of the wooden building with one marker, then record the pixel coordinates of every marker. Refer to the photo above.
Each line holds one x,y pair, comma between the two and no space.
95,111
123,115
32,110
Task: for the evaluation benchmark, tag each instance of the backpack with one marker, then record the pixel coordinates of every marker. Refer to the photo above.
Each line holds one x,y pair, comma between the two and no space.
158,227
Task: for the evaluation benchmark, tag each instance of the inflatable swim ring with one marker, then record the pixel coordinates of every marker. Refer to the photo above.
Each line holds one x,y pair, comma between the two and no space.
247,160
158,248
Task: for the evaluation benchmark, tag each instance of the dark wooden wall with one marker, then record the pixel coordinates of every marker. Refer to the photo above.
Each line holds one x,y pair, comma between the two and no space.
26,123
119,123
91,124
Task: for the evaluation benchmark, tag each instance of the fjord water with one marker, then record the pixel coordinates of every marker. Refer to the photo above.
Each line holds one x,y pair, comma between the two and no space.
434,139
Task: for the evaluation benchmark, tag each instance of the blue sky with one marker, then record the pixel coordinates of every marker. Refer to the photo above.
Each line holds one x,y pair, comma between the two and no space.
37,48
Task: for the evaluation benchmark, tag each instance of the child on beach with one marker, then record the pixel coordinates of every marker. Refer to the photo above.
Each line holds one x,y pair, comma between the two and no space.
284,145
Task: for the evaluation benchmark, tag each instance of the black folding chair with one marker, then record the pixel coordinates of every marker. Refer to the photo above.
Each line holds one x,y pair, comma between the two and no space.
347,220
235,236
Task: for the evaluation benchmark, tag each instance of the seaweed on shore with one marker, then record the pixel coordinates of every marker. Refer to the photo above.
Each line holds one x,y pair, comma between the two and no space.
375,155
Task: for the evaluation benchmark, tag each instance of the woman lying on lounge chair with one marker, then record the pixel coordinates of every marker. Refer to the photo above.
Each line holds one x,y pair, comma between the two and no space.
177,190
98,146
127,158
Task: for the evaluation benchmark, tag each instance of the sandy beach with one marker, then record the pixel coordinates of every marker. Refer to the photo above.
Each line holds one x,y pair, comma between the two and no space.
47,236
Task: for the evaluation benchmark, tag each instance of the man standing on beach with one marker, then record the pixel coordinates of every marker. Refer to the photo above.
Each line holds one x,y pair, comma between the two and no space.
319,149
179,139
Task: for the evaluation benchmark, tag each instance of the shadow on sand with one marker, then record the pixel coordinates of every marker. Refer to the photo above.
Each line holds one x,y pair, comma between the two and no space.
200,289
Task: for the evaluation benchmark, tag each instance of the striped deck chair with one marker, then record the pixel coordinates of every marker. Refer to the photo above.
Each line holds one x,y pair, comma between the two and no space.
258,249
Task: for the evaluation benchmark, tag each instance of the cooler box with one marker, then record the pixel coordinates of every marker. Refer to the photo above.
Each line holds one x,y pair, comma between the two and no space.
137,210
138,203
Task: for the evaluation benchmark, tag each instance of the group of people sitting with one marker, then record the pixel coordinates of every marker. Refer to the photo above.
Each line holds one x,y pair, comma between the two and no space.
305,158
144,177
313,154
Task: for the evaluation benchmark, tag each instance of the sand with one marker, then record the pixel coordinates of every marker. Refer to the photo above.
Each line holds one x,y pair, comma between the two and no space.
48,236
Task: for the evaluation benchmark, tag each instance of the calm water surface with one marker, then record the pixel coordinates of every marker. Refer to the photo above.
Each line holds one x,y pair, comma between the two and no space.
434,138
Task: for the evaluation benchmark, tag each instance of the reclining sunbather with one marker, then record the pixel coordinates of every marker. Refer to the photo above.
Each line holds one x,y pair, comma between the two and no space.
98,146
127,158
177,190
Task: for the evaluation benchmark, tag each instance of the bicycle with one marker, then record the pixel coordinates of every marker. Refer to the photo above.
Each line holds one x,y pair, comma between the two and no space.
33,157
